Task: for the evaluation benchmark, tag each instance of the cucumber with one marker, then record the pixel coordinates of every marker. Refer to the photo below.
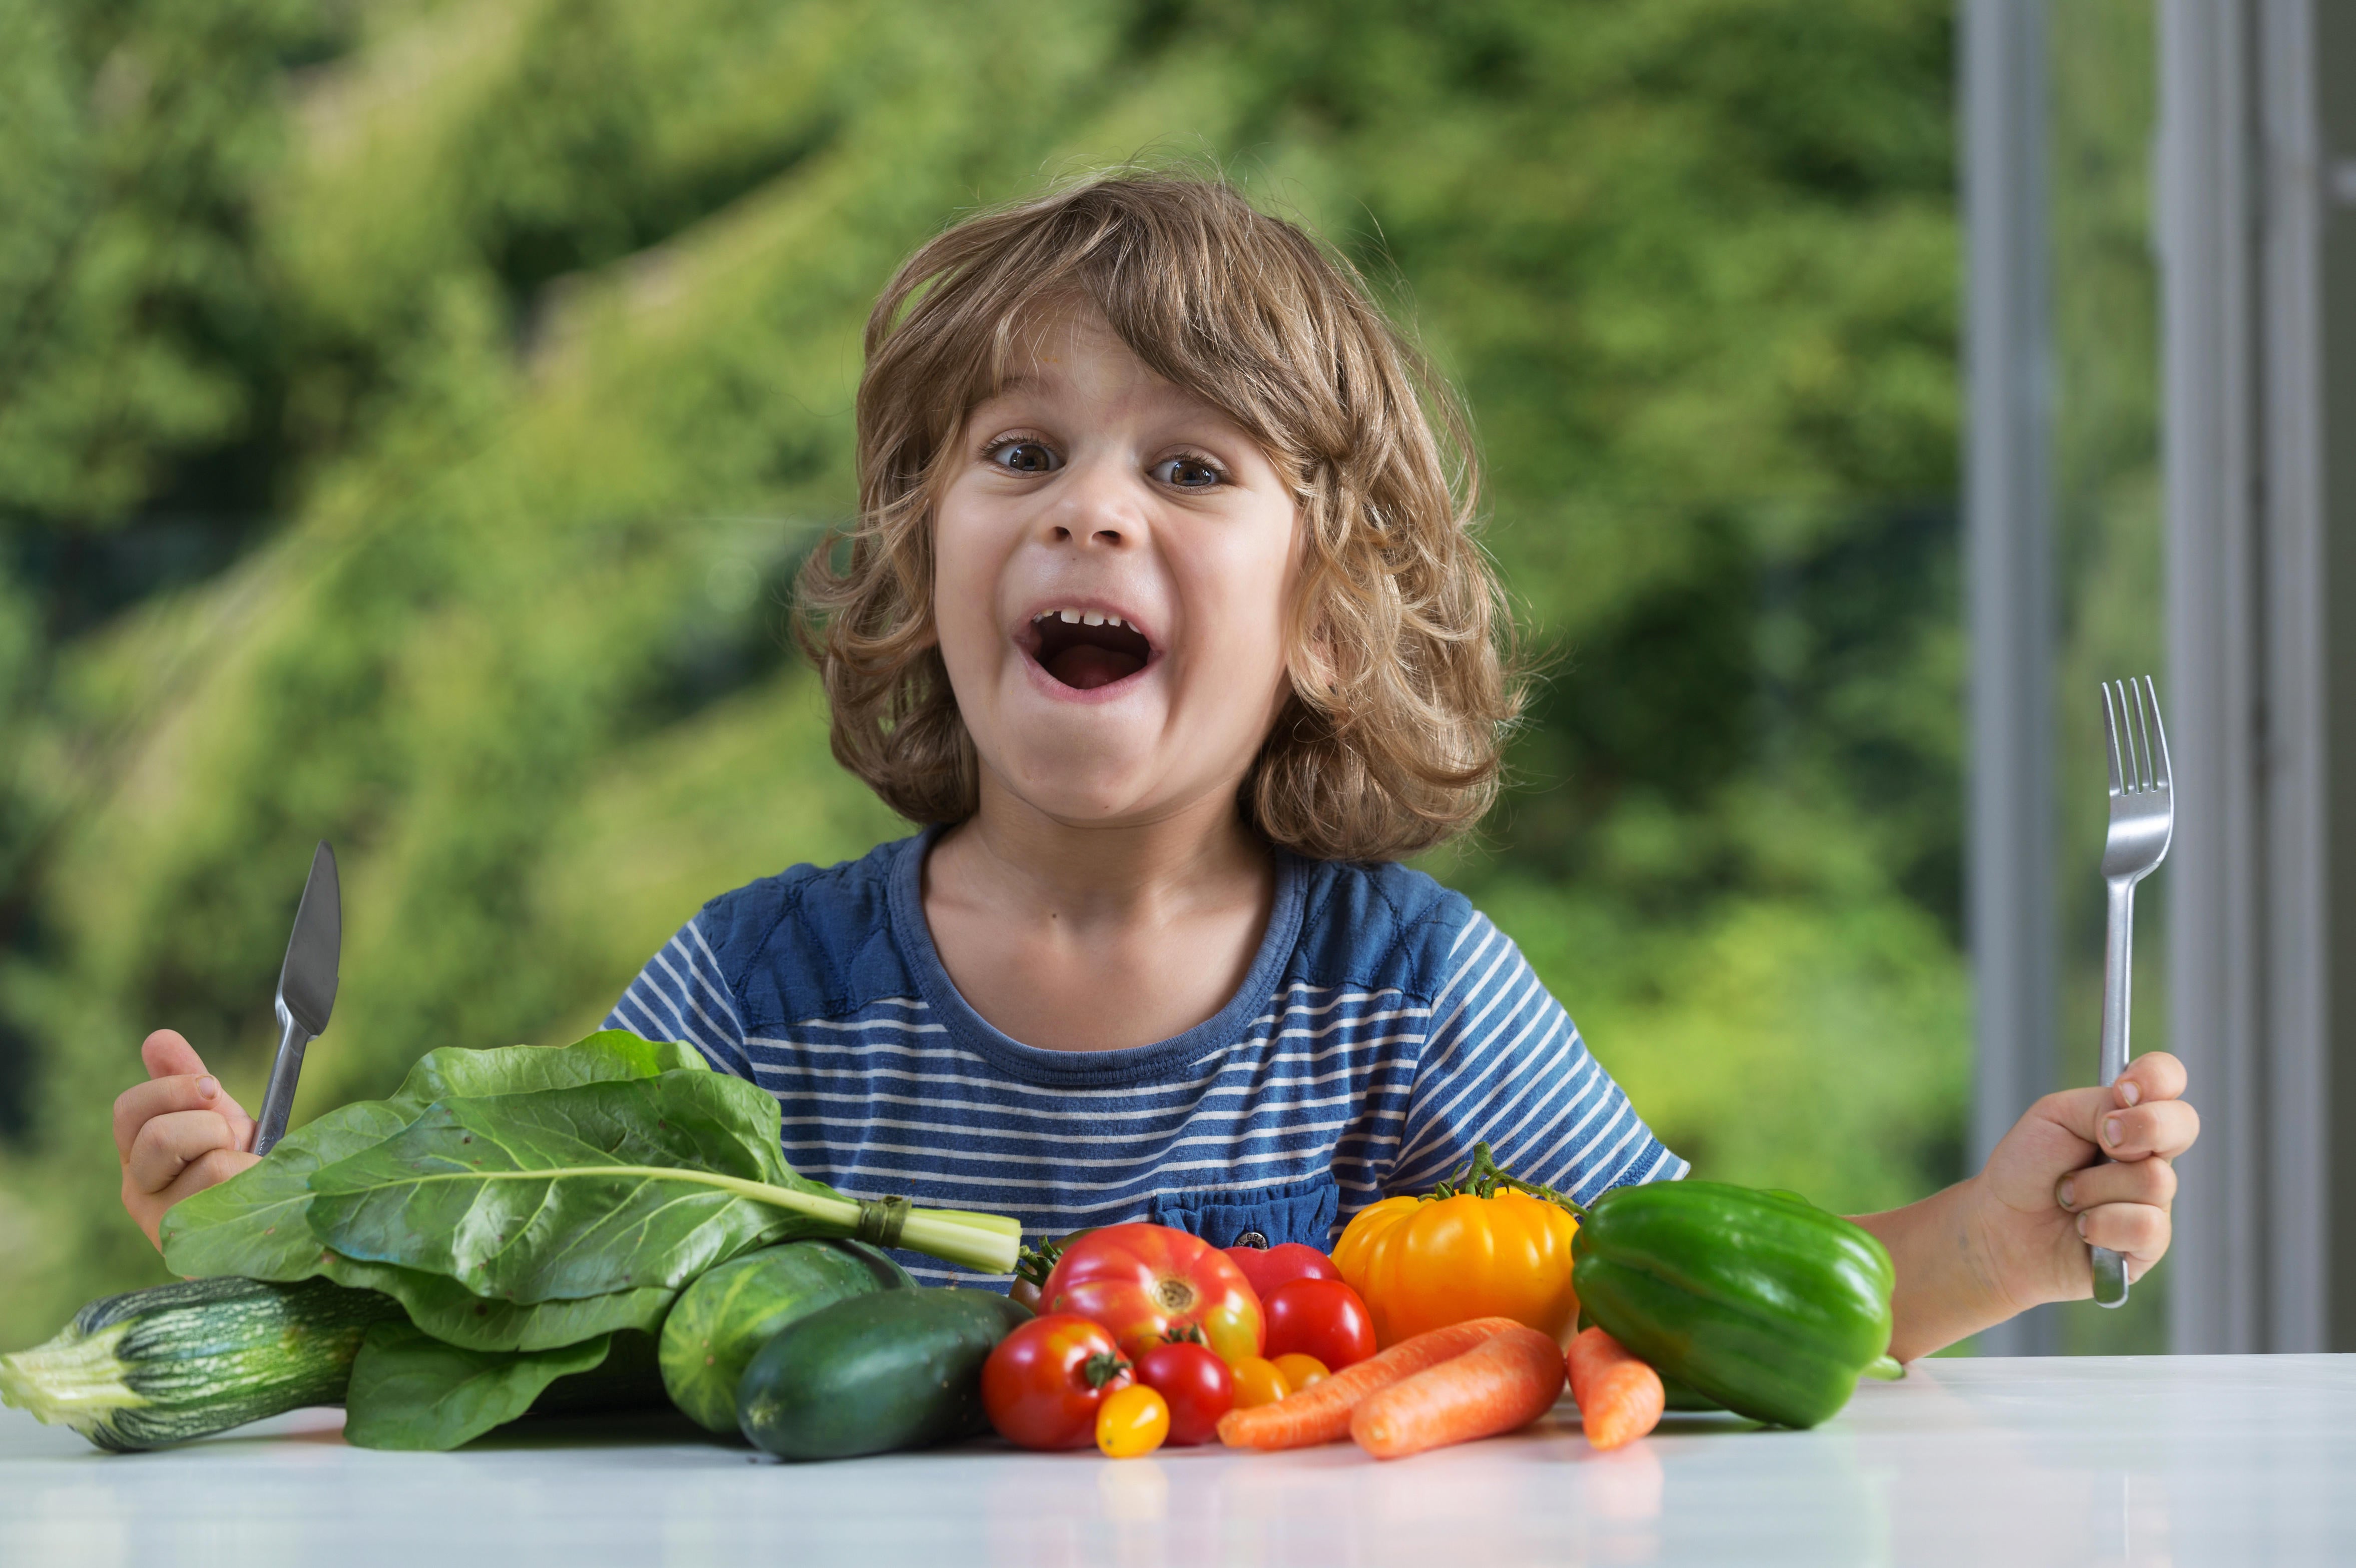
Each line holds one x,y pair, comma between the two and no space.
728,1313
151,1367
900,1369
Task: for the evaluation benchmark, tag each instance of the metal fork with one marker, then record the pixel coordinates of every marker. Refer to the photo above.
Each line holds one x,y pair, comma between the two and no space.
2143,821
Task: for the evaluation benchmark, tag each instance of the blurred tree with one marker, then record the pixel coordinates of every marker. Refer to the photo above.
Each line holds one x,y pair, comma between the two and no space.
533,328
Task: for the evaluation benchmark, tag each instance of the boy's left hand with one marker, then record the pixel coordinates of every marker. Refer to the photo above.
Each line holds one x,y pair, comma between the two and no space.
2044,1200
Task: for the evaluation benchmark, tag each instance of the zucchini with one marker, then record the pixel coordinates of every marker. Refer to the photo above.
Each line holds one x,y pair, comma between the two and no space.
900,1369
731,1312
156,1367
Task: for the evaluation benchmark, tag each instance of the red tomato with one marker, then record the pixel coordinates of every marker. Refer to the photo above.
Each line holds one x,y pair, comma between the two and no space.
1152,1285
1043,1384
1319,1318
1270,1267
1197,1385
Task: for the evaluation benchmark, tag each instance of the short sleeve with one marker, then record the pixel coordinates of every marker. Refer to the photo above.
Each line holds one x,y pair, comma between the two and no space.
684,995
1504,1065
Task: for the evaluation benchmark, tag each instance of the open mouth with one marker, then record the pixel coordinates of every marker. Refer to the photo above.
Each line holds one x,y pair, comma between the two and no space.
1086,649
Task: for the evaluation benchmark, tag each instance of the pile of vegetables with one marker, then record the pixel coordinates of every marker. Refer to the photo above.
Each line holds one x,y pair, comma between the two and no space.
509,1218
613,1225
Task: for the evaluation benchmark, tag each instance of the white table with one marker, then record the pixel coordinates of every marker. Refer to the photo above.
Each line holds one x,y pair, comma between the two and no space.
2014,1463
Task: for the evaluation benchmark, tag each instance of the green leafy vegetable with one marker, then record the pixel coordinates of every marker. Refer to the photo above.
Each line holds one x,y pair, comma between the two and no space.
410,1389
252,1225
448,1310
575,1192
523,1206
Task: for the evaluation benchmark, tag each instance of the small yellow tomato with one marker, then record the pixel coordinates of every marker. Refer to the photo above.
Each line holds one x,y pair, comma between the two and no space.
1132,1421
1258,1381
1300,1371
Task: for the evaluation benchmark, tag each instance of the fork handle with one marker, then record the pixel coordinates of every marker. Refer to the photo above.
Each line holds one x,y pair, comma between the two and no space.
2118,962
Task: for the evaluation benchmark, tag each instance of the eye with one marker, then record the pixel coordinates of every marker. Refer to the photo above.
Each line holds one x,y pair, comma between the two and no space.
1189,473
1024,457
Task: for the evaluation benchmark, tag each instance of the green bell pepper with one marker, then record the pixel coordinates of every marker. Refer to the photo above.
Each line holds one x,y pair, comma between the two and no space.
1758,1300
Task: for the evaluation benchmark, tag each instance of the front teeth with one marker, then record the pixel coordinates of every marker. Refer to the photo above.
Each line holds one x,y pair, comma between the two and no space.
1083,618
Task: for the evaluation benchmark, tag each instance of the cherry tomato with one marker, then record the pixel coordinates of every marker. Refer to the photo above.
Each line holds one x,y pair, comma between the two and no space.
1258,1381
1300,1371
1153,1286
1197,1385
1132,1421
1044,1383
1319,1318
1271,1268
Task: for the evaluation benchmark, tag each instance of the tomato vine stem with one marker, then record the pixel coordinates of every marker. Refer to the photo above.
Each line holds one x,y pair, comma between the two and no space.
1484,1176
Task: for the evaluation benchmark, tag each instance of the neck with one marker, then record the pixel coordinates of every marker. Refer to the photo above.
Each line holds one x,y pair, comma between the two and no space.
1094,873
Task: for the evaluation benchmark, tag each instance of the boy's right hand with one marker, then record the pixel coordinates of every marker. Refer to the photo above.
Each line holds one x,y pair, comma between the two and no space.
178,1133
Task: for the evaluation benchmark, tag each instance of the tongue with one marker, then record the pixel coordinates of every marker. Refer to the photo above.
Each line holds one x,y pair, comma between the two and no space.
1087,667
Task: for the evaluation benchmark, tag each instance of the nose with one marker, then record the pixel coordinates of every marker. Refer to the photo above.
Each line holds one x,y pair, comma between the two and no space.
1096,504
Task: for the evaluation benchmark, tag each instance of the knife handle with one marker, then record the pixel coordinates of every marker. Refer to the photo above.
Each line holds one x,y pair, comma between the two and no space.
285,1068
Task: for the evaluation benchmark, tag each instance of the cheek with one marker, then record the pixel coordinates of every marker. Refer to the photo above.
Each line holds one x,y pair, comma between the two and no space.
962,582
1255,585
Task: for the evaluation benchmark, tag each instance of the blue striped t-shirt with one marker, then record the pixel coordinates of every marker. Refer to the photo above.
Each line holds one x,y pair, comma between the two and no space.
1385,1028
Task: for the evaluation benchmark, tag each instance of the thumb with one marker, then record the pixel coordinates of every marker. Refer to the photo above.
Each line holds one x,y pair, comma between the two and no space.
168,1054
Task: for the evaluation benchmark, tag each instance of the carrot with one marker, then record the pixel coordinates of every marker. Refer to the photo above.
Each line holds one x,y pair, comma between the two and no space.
1500,1384
1620,1397
1320,1413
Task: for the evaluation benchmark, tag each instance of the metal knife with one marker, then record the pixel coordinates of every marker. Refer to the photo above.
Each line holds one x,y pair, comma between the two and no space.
307,991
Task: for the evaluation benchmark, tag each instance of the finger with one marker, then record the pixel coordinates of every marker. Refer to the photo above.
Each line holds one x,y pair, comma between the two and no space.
2158,1076
161,1097
2137,1231
168,1054
2166,1129
2147,1181
208,1169
168,1143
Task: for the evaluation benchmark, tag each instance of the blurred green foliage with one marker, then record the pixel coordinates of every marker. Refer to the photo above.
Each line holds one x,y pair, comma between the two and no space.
410,415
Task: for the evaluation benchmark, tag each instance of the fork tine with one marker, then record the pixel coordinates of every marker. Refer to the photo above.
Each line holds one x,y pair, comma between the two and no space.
2160,733
2138,744
2111,737
2145,711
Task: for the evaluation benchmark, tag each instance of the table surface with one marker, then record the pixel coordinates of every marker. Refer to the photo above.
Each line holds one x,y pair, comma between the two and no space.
2096,1461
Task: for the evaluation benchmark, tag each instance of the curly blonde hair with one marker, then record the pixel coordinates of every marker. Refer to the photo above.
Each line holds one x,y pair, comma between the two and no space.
1403,683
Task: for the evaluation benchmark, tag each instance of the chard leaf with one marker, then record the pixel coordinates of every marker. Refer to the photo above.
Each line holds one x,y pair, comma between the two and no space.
609,1056
451,1313
252,1225
570,1194
410,1389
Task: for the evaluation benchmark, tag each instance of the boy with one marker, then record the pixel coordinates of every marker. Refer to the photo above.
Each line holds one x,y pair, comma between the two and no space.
1164,608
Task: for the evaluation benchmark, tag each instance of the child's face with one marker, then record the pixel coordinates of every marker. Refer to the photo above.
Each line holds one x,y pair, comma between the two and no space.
1092,487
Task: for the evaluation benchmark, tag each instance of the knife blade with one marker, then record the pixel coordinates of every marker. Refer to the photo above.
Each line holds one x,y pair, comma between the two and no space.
307,991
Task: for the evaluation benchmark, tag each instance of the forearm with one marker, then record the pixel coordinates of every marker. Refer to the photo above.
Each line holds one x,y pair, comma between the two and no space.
1947,1285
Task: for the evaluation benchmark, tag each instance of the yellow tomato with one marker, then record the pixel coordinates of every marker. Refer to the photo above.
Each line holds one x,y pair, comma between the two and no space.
1300,1370
1424,1264
1258,1381
1132,1421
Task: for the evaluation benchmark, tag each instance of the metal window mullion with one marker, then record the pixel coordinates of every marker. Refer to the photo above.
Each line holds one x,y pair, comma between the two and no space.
2212,561
2290,403
2012,917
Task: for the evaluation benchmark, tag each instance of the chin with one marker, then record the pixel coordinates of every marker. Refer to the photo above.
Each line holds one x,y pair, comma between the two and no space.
1082,794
